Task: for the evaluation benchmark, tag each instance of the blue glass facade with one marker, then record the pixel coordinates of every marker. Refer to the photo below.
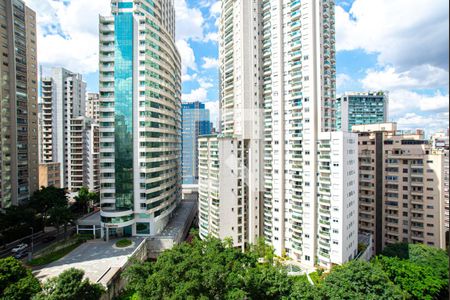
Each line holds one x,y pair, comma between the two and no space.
361,109
124,110
196,122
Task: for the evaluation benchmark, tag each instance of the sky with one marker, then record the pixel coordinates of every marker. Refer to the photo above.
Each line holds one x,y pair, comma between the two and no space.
400,46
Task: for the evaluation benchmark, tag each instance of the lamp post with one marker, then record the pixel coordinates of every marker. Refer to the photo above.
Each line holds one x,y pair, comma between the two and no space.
30,254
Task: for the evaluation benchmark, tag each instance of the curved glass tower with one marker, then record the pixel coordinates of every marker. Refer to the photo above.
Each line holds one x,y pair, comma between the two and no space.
140,117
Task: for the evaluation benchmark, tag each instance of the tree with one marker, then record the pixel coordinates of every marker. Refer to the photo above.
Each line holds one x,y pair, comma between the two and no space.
421,255
70,286
431,263
16,282
358,280
208,269
47,198
82,200
60,215
15,222
302,289
420,282
85,200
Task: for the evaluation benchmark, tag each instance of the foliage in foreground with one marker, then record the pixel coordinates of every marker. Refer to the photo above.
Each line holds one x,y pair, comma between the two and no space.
213,270
70,286
16,282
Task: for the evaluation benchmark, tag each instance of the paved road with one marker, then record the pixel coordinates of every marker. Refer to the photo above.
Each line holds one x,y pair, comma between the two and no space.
38,241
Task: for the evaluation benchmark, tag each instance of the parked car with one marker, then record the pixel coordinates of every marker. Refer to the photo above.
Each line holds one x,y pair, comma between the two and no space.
19,248
21,254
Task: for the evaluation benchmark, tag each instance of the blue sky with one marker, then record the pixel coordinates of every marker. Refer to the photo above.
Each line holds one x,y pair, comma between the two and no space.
400,46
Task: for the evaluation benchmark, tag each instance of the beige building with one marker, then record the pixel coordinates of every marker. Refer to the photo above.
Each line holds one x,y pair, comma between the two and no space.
93,106
19,164
83,153
49,175
402,188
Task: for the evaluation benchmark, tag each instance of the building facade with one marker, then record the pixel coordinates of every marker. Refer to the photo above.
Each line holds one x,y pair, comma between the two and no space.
93,106
402,184
140,118
19,163
361,109
83,154
63,99
49,175
278,85
240,144
440,141
196,122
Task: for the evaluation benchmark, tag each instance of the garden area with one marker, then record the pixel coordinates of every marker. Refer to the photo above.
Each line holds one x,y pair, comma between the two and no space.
212,269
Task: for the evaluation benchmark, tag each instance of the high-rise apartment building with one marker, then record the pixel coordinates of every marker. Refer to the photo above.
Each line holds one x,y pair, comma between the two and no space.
237,190
93,106
83,154
263,175
361,109
19,164
140,117
49,175
196,122
63,99
402,183
440,141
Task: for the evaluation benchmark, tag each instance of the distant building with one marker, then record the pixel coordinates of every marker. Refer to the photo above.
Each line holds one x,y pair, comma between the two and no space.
361,109
93,106
401,198
63,99
50,175
196,122
19,153
83,152
440,141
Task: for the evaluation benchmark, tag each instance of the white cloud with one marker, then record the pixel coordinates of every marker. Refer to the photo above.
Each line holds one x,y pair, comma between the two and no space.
200,94
405,33
205,83
210,63
190,22
214,112
421,77
68,33
211,37
342,79
216,9
187,56
435,123
404,101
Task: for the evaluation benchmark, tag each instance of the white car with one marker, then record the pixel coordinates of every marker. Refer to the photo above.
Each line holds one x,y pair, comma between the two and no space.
19,248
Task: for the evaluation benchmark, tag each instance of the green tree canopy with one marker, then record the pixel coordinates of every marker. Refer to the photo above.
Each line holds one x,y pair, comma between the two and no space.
70,286
16,282
420,282
359,280
421,255
48,198
208,270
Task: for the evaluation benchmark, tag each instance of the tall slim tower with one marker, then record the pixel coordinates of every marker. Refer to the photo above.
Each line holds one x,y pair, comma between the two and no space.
19,167
63,99
195,123
282,171
231,170
140,117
